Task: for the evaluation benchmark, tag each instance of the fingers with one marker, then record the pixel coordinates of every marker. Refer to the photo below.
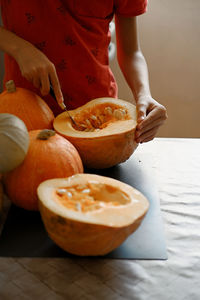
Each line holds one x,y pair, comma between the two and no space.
155,117
141,113
36,82
157,113
45,84
147,135
39,70
38,75
41,78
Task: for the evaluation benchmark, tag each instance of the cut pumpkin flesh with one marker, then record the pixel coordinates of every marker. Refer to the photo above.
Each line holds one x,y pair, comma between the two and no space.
89,214
104,135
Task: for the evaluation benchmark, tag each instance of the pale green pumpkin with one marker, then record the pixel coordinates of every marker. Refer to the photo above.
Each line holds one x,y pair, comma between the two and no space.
14,142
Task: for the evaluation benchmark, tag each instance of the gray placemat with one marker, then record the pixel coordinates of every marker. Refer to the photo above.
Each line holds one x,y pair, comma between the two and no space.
24,234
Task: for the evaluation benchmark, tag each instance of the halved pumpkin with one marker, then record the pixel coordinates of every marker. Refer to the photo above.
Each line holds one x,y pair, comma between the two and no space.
105,133
89,214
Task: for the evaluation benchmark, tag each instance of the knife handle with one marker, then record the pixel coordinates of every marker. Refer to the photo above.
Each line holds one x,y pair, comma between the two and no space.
51,92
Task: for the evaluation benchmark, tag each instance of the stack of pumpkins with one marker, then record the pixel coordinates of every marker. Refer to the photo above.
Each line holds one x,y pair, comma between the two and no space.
39,166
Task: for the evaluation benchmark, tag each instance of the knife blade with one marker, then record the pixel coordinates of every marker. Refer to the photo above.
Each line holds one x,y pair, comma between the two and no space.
62,105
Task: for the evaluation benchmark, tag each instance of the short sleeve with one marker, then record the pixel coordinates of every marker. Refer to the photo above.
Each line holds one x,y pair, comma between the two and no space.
130,8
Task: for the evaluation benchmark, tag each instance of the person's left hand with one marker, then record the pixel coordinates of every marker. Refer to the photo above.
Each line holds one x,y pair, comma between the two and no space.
151,115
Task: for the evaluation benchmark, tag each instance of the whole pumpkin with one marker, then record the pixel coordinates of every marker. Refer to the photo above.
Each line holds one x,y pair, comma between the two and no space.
14,142
88,214
26,105
49,156
105,135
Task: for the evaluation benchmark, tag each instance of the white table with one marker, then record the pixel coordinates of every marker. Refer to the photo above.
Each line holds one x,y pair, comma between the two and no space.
177,166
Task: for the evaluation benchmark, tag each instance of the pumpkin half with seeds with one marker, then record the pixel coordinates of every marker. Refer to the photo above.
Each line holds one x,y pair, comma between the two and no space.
105,131
90,215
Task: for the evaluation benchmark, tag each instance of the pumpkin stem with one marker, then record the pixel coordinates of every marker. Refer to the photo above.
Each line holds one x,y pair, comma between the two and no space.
45,134
10,86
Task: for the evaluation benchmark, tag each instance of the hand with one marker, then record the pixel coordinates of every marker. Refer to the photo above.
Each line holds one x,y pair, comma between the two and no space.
151,115
39,70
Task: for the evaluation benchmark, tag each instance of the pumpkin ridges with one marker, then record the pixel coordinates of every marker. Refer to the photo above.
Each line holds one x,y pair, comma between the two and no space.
70,151
29,107
75,166
117,150
95,244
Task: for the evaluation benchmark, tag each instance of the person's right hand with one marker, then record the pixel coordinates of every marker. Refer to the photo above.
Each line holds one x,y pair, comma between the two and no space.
39,70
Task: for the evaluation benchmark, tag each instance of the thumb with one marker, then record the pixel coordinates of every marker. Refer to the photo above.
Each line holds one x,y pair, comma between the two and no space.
141,113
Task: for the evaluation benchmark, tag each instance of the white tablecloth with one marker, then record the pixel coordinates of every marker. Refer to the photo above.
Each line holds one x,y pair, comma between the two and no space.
177,166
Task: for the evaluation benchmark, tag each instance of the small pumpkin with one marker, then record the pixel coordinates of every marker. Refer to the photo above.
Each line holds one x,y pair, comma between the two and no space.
50,155
26,105
105,133
14,141
88,214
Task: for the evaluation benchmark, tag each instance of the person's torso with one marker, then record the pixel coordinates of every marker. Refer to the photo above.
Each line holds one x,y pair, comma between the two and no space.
74,35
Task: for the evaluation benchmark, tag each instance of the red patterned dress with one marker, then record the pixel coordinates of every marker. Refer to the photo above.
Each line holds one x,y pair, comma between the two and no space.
74,35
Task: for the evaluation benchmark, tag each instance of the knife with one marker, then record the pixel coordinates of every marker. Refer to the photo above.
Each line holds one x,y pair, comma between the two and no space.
62,105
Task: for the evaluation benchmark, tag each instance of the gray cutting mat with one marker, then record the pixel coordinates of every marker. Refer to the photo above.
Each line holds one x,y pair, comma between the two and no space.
24,234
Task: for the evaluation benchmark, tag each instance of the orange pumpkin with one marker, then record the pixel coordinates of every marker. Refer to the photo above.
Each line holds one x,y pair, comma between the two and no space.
49,156
88,214
27,106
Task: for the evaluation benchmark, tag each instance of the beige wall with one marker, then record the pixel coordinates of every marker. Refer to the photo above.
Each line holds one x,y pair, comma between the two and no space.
170,40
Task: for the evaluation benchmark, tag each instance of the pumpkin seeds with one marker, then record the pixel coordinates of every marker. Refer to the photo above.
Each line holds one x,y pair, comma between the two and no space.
86,191
83,126
93,117
108,110
88,122
119,113
87,197
100,117
69,194
61,191
89,129
81,187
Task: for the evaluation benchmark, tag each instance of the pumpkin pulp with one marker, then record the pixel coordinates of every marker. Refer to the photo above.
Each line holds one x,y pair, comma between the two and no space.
99,117
90,196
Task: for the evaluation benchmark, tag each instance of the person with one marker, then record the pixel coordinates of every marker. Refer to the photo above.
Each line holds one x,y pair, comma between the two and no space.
65,43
